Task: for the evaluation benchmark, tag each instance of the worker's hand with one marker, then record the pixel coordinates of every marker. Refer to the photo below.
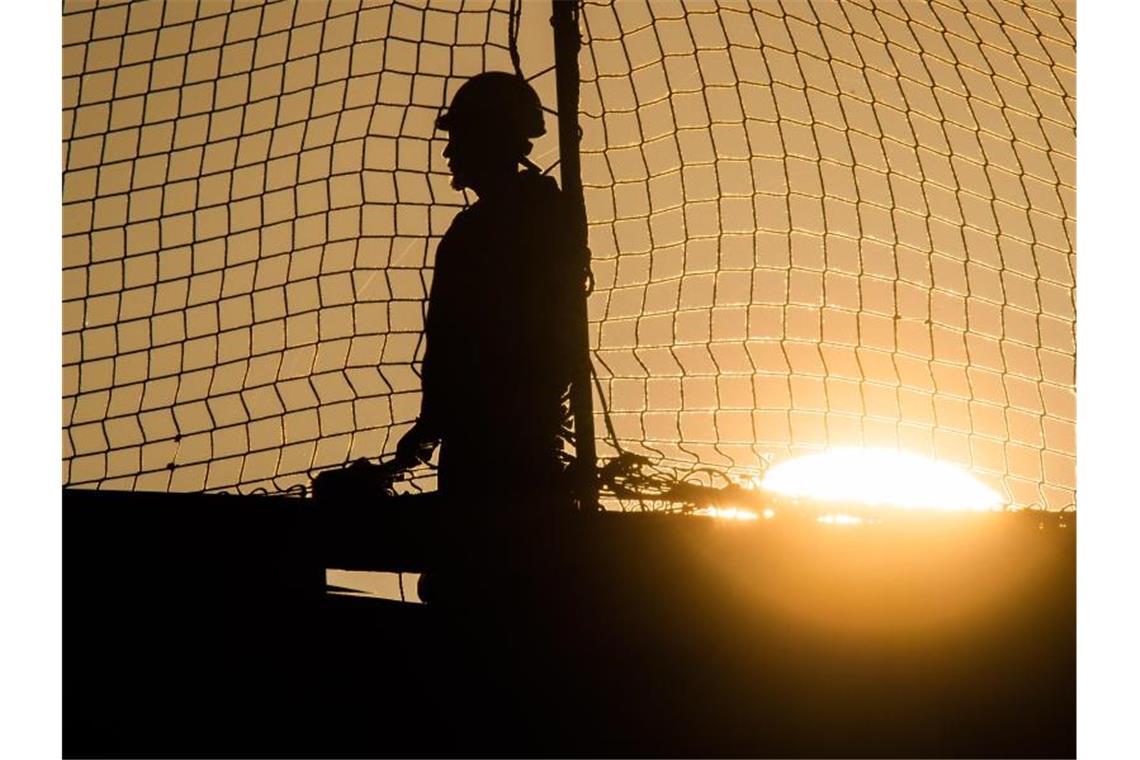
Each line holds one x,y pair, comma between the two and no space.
415,448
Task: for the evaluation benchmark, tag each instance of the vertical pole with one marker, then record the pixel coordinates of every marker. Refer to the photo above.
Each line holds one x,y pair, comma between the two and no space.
567,42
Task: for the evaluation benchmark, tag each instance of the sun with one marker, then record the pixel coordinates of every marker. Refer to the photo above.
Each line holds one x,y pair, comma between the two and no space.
880,477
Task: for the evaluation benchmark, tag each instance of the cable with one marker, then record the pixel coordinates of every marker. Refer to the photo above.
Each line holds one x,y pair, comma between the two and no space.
605,410
514,19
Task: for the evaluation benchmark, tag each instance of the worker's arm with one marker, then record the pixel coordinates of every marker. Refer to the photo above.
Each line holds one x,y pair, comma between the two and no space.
416,446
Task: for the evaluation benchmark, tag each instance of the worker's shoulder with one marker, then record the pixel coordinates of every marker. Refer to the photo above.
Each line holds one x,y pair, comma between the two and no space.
534,202
535,181
538,188
540,201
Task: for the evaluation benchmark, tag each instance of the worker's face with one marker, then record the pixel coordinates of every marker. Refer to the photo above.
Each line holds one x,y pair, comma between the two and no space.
473,158
462,159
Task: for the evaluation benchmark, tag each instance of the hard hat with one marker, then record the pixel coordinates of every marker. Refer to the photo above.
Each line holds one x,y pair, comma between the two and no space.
497,102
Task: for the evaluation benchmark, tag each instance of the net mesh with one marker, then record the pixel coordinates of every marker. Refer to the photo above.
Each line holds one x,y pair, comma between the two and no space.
812,224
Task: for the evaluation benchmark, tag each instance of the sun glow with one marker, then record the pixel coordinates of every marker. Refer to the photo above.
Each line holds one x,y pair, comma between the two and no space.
880,477
840,520
731,513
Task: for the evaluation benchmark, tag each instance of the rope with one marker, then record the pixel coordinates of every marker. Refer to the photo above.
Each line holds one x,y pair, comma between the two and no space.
514,19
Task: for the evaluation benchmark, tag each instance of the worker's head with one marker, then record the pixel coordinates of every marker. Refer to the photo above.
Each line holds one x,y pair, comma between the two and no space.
489,124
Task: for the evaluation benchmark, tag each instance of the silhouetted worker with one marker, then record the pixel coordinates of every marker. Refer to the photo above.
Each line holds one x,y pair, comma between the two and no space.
498,358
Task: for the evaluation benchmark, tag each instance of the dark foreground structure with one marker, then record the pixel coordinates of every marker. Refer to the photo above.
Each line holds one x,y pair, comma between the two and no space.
200,625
